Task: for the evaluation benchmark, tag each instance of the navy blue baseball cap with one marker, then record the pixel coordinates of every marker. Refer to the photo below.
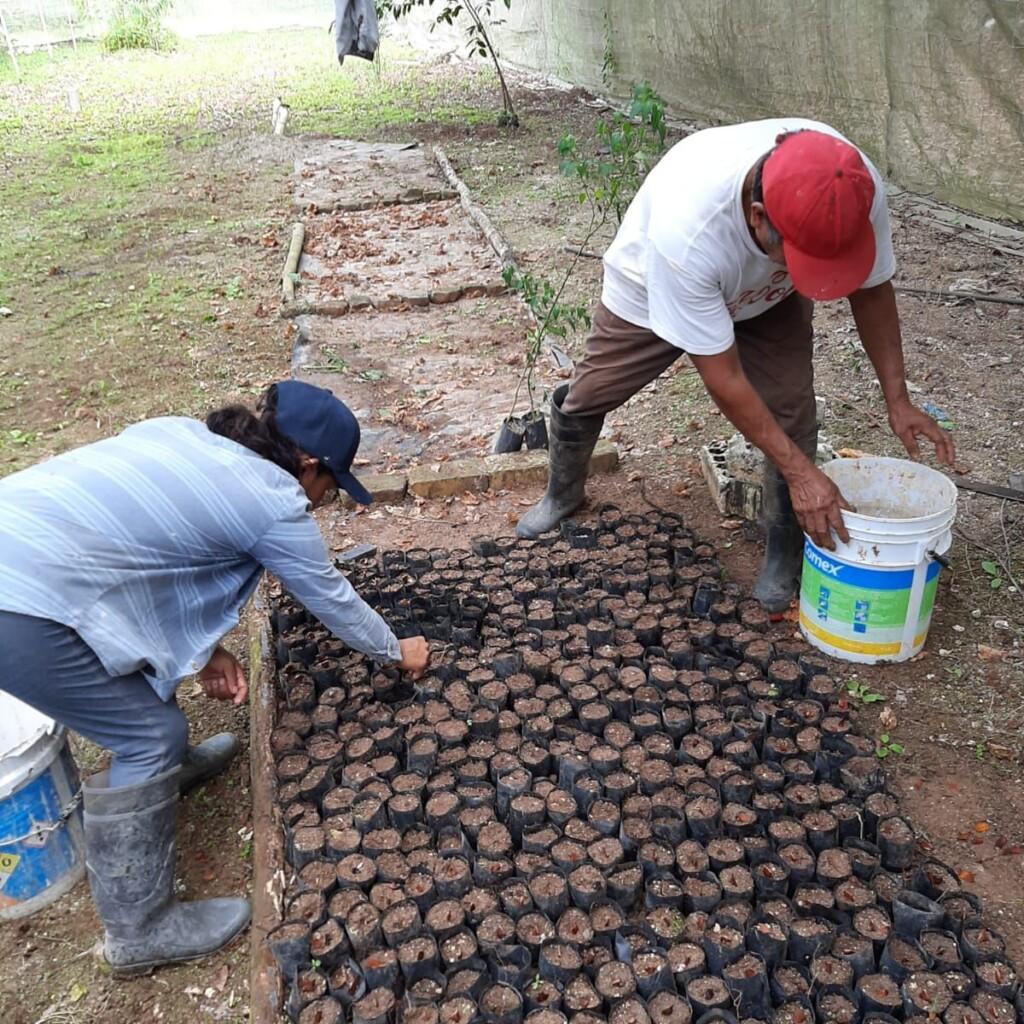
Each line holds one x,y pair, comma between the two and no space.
322,426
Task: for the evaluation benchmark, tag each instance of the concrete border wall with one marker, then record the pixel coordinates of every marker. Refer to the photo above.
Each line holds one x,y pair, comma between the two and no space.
933,90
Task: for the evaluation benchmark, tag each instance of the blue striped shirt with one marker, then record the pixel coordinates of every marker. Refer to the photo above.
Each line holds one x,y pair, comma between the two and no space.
148,545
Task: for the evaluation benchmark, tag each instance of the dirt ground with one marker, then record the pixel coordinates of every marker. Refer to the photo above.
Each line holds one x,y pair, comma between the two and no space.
173,296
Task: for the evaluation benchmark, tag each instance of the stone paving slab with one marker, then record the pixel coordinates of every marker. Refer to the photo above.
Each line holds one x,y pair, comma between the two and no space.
396,256
426,381
489,473
338,174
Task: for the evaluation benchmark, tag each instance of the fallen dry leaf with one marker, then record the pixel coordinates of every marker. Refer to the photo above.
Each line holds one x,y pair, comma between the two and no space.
965,876
987,653
981,827
997,750
887,717
220,978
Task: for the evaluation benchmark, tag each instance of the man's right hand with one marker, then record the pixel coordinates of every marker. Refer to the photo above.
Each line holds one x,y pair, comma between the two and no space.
818,505
415,656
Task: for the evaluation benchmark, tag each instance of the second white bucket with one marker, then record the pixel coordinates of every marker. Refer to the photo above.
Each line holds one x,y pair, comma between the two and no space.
871,600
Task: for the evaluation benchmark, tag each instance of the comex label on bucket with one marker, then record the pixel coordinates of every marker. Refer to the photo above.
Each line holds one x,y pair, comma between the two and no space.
862,610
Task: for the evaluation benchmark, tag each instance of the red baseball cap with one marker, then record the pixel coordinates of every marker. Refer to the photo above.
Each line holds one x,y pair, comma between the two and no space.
818,194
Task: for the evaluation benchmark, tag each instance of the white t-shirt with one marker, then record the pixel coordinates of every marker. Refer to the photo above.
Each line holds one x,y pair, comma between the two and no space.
683,263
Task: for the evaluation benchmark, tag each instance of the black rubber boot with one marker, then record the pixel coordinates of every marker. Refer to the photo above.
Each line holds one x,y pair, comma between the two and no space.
130,857
206,760
571,443
779,579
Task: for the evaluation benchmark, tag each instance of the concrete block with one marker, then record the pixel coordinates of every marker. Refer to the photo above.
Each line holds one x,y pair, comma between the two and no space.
517,469
733,471
446,479
605,458
382,487
530,468
443,296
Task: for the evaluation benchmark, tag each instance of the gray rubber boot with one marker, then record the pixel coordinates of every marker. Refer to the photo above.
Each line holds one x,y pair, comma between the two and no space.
130,856
570,444
779,579
206,760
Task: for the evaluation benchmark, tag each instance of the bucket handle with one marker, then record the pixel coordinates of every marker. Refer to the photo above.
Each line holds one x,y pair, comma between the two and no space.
941,559
45,830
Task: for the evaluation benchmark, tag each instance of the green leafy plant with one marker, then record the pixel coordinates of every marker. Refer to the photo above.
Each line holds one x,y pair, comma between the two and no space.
550,315
480,14
885,746
20,437
863,693
627,146
137,25
994,573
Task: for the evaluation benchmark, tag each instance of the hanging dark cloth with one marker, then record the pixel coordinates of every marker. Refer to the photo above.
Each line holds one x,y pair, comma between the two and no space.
356,32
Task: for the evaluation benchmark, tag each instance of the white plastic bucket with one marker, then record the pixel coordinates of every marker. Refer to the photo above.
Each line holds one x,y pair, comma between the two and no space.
871,600
42,843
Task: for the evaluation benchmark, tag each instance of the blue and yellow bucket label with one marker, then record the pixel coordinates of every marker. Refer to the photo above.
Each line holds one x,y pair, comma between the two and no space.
864,609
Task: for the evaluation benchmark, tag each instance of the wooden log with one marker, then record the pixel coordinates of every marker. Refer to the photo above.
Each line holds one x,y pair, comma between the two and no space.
494,237
291,263
268,881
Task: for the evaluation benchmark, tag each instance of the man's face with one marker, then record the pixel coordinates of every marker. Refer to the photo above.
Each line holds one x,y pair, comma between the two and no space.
767,238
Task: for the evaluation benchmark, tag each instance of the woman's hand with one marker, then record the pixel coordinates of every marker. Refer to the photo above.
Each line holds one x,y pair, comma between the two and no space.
223,678
415,655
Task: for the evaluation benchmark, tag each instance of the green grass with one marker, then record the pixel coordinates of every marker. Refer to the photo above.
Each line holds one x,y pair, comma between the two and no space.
114,220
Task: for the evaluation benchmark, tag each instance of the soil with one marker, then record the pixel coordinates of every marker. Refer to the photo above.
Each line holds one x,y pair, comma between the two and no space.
629,1011
499,999
942,948
708,990
535,929
615,981
834,1007
458,948
458,1010
790,981
562,956
373,1006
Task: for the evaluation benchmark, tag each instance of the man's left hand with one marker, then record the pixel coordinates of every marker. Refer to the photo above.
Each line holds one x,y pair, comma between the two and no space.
909,423
223,678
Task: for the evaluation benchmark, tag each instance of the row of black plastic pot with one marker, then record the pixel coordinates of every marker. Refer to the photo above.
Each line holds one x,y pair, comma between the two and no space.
597,978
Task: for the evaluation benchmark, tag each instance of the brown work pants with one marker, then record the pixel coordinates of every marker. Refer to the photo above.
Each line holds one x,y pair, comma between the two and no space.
775,350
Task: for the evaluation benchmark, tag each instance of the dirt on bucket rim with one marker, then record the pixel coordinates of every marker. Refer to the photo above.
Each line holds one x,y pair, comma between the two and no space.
911,491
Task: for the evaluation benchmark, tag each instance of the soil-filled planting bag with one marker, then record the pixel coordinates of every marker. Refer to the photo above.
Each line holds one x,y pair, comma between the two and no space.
618,795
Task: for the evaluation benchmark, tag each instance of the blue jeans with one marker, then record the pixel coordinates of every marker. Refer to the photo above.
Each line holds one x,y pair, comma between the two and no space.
49,667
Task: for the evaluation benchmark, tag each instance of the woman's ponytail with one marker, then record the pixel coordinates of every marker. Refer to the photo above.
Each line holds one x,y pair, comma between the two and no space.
257,433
